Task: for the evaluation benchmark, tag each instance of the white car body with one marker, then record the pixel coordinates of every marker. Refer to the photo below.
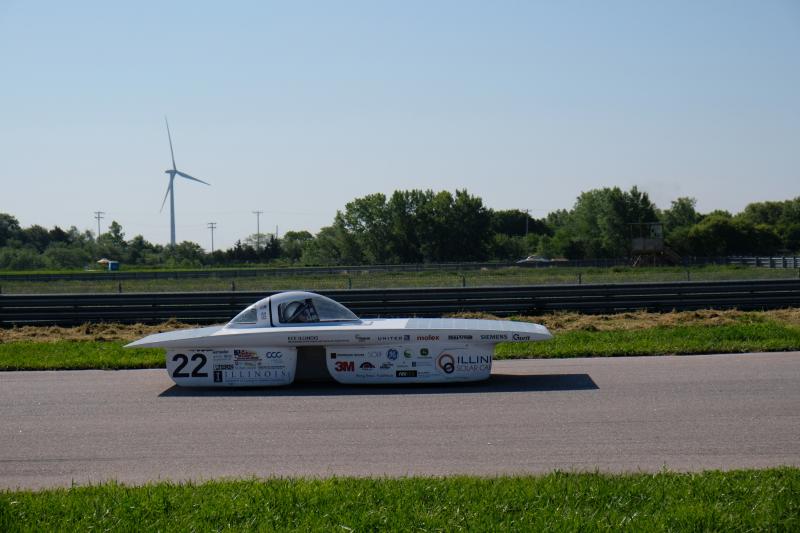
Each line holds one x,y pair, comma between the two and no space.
288,335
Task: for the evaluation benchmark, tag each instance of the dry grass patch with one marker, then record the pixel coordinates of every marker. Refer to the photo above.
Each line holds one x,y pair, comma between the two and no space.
557,322
88,332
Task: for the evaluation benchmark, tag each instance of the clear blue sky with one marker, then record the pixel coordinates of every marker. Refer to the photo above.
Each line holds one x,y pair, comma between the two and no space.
295,108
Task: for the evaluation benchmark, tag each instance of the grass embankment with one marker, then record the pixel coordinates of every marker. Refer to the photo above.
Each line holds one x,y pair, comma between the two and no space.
754,500
101,346
266,281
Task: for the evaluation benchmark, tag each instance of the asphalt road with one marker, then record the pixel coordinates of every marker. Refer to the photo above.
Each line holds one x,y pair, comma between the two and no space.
621,414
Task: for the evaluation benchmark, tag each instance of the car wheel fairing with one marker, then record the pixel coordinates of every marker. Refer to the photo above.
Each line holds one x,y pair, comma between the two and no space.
232,367
412,363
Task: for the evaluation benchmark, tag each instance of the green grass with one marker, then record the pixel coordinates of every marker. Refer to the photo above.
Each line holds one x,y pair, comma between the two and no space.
746,500
761,336
76,355
752,334
356,280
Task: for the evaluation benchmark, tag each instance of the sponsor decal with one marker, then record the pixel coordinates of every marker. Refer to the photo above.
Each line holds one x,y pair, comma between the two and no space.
407,354
376,355
273,355
223,367
406,373
366,365
221,355
262,315
335,355
494,337
391,354
251,374
473,363
362,338
518,337
244,355
427,337
391,338
345,366
218,375
473,359
387,365
446,363
303,338
422,364
459,337
423,352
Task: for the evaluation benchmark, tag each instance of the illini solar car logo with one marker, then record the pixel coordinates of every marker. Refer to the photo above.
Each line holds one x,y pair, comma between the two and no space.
446,363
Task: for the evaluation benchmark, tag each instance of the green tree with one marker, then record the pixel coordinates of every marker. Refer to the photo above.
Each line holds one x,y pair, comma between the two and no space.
367,219
682,213
293,244
63,255
516,223
37,237
333,245
9,228
599,224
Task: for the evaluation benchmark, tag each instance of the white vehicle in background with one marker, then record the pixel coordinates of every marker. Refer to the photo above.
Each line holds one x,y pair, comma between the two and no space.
305,336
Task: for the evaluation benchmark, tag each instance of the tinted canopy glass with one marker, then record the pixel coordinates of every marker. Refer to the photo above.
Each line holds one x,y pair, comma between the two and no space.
314,309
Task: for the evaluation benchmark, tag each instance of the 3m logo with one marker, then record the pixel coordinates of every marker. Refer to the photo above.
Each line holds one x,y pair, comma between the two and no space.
345,366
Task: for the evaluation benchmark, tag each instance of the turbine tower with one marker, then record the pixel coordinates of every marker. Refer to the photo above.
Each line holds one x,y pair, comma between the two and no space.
171,189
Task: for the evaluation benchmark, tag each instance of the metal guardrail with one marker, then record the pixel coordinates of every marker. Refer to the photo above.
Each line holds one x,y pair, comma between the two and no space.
770,262
243,272
214,307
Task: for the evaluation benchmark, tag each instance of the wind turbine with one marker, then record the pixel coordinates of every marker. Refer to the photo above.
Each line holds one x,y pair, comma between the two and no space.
170,188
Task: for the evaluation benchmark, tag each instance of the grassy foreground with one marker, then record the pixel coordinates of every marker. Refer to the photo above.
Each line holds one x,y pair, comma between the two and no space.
746,500
76,355
751,333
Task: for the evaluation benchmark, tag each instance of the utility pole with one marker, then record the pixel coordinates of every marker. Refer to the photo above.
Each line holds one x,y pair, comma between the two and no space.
526,221
212,226
99,215
258,228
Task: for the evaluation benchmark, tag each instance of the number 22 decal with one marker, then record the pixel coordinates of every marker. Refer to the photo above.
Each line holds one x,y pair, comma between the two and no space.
185,361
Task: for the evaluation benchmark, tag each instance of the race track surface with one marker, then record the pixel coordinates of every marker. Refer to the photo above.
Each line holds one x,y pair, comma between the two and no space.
533,416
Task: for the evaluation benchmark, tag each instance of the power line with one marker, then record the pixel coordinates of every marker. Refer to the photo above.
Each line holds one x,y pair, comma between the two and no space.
212,226
99,215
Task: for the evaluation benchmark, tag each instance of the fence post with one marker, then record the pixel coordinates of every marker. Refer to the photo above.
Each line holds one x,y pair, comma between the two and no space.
688,275
349,282
233,286
119,287
463,281
580,278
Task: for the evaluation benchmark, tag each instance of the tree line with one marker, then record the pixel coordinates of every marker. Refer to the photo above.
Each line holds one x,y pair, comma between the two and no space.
415,226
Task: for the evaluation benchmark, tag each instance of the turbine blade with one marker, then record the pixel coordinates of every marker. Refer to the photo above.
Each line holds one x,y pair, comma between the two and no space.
169,187
188,177
170,143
